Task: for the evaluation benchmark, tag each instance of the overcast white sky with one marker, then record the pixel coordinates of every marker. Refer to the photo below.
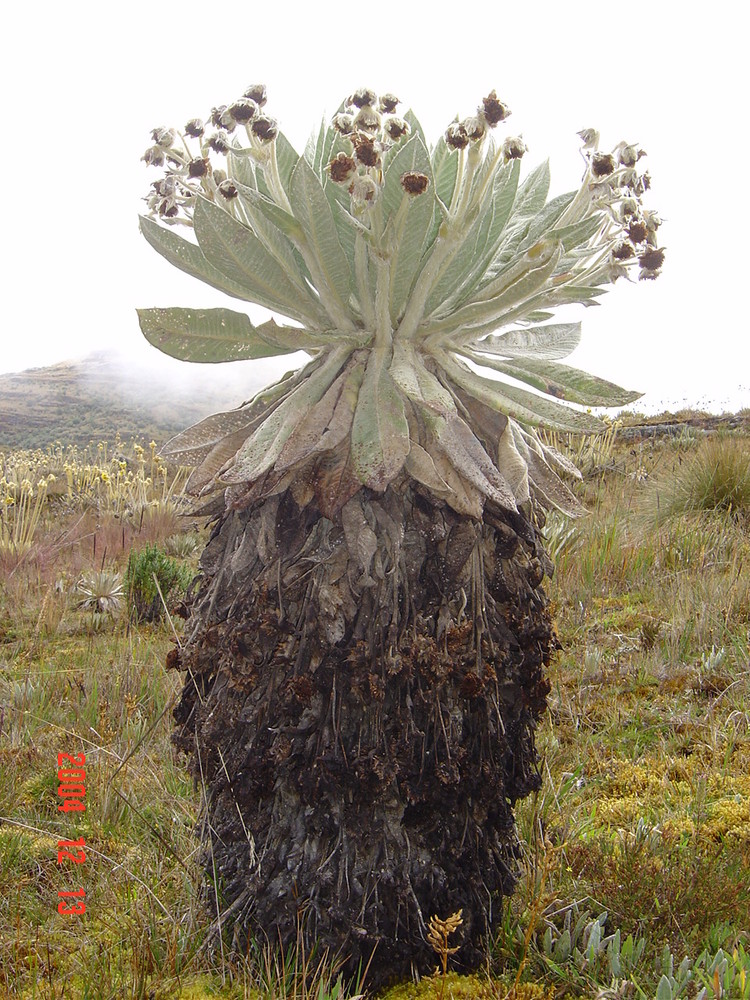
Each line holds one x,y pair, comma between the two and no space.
84,83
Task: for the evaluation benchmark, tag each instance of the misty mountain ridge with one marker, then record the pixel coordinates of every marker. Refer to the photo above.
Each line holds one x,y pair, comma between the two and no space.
93,398
154,397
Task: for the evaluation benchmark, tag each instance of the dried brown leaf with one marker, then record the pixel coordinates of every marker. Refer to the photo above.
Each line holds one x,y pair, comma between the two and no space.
334,480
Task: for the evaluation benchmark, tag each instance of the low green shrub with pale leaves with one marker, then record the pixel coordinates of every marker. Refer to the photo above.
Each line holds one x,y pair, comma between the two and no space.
153,581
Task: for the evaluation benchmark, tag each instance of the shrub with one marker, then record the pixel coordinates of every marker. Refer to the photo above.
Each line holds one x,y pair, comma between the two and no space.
671,891
152,579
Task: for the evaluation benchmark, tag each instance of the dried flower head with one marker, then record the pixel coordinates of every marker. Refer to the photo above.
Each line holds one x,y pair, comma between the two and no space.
257,93
493,110
414,183
343,123
163,137
601,192
396,128
161,200
628,155
198,167
363,189
216,115
623,251
363,97
165,187
612,270
474,128
637,231
168,209
456,137
264,128
228,190
602,164
154,156
589,138
341,168
366,150
367,120
228,121
388,103
218,142
513,148
652,220
243,110
652,259
194,128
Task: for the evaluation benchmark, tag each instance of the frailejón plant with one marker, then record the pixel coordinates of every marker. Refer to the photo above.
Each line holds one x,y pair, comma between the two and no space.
365,650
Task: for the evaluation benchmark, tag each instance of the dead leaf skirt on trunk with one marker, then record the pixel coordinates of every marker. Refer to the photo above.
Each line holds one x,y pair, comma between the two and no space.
360,701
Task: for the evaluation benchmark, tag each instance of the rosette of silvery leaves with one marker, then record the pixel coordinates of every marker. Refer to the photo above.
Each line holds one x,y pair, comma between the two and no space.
420,283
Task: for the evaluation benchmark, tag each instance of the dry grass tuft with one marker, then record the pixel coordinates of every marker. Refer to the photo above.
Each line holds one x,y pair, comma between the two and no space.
715,480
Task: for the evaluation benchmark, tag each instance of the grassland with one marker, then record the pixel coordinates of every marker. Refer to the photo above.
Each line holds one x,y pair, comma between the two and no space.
635,852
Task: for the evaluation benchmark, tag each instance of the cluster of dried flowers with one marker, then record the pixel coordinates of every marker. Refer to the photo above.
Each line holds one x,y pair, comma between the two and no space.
616,184
490,113
369,126
372,128
186,155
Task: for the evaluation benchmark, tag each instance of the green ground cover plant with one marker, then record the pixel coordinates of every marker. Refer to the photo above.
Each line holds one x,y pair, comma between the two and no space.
636,848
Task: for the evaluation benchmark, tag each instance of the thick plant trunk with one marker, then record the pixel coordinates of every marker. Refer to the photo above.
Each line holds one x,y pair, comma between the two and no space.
360,702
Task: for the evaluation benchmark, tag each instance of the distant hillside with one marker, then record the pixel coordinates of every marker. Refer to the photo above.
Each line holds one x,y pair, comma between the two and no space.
79,401
76,402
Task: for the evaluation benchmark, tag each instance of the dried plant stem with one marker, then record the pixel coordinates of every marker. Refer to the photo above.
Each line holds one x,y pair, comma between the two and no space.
438,934
536,906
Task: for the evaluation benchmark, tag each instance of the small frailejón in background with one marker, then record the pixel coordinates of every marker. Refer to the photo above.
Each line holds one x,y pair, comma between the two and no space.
364,654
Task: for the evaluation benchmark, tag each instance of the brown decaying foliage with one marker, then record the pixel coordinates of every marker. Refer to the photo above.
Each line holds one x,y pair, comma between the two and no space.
360,700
